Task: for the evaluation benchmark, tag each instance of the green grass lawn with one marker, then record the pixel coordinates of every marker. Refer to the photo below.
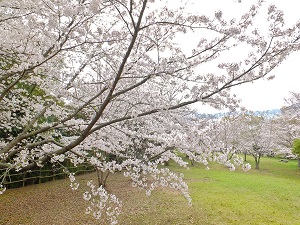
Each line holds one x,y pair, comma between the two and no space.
270,195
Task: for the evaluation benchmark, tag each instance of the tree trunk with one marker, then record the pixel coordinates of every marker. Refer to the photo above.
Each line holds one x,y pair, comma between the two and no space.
102,177
192,162
245,157
257,159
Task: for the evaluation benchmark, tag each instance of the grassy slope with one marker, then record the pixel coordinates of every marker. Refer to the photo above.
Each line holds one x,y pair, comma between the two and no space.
268,196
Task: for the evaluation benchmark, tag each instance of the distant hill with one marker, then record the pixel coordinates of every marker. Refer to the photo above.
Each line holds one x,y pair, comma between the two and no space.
271,113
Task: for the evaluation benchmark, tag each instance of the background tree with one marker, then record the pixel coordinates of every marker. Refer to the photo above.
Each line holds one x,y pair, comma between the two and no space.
296,149
257,136
222,138
288,124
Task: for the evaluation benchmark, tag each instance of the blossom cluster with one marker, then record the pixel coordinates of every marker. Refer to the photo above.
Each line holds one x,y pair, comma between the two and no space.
101,201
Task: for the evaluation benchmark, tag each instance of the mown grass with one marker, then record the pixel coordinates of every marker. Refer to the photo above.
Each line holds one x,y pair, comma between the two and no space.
270,195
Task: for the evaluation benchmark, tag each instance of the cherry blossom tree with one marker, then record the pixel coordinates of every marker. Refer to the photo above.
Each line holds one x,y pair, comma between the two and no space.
222,138
285,133
288,124
102,68
257,135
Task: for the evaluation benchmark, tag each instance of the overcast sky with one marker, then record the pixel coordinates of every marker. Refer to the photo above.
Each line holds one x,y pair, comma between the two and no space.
262,94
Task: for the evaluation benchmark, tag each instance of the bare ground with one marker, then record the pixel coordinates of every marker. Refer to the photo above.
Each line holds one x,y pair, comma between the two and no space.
47,203
54,203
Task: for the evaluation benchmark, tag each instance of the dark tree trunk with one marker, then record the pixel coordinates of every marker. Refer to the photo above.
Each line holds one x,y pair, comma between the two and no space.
102,177
192,162
257,160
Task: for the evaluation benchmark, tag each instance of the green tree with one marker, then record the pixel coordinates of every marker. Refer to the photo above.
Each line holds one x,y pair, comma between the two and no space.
296,149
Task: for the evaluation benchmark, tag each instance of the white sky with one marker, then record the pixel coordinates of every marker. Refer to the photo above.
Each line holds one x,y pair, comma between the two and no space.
262,94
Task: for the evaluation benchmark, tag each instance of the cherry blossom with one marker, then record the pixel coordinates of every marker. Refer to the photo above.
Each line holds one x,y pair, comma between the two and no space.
109,83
